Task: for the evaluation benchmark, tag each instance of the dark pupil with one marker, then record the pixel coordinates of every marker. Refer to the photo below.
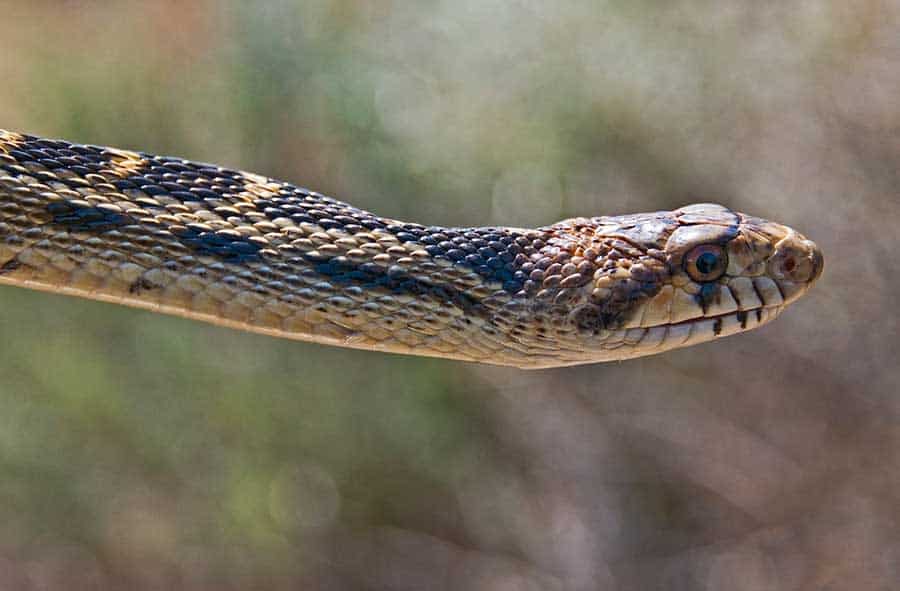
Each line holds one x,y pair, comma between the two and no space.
707,263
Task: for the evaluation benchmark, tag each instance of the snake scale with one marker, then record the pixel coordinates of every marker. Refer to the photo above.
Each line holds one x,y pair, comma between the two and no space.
246,251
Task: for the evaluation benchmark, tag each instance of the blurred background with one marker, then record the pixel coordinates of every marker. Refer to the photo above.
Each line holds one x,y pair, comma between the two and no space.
147,452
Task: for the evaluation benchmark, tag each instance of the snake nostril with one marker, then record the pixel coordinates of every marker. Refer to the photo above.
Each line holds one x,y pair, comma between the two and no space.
799,261
790,263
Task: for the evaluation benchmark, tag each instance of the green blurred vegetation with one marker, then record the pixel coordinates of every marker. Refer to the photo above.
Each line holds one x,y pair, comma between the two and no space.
139,451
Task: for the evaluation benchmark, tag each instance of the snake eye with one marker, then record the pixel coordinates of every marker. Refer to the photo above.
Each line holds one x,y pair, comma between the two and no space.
706,262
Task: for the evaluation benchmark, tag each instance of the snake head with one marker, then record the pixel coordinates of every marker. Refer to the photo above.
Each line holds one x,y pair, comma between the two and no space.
664,280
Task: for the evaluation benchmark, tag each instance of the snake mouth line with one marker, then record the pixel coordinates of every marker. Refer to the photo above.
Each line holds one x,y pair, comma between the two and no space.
744,317
698,330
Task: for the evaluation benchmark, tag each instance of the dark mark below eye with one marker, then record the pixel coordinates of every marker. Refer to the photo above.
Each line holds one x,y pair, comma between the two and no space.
708,294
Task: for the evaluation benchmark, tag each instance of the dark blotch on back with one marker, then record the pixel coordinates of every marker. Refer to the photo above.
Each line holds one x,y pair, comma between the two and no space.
87,219
96,220
226,247
393,279
490,252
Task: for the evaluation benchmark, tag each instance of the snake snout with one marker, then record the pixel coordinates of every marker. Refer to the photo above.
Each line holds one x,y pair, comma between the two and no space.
796,264
818,261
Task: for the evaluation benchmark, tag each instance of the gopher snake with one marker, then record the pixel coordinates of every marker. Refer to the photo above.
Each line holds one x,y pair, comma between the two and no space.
245,251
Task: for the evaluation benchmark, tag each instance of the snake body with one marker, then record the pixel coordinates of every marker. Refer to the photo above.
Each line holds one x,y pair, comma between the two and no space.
246,251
